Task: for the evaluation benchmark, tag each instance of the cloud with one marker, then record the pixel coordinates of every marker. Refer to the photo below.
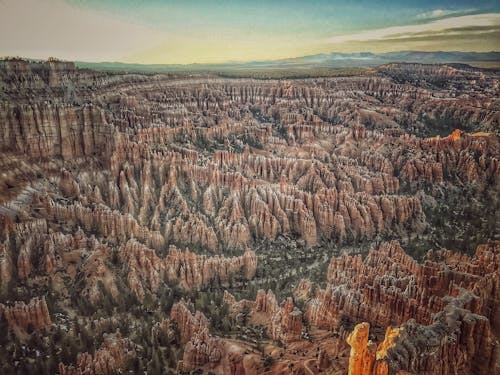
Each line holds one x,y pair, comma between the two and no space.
39,29
477,23
439,13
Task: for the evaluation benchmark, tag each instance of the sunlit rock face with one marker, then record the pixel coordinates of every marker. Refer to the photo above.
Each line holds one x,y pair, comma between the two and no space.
123,193
365,357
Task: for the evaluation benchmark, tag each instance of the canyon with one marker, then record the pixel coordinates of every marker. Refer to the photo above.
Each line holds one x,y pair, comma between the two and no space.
180,223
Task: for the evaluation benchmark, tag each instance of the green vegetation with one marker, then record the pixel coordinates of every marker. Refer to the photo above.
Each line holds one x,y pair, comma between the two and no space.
293,73
457,224
228,70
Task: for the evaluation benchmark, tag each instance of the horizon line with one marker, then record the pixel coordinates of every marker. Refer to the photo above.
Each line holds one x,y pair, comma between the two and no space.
55,58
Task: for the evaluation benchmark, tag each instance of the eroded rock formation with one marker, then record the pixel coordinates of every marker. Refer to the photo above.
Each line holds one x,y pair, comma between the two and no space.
114,186
450,329
147,270
457,341
111,358
388,287
201,349
27,316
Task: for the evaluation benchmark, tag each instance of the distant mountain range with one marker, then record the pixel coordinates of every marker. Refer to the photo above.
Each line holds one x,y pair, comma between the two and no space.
329,60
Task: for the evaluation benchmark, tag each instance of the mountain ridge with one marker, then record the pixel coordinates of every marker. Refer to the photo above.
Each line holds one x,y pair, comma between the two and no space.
327,60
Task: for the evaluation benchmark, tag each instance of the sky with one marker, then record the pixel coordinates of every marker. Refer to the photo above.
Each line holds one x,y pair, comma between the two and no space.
210,31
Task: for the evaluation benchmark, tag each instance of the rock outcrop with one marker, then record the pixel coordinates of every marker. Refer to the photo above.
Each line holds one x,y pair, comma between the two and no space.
199,347
111,358
27,316
44,130
366,358
450,332
456,342
362,353
146,270
286,323
388,287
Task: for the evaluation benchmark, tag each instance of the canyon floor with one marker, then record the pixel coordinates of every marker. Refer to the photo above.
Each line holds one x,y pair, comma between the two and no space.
194,223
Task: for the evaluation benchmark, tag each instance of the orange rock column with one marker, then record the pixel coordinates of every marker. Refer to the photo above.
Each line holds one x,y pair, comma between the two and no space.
362,351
